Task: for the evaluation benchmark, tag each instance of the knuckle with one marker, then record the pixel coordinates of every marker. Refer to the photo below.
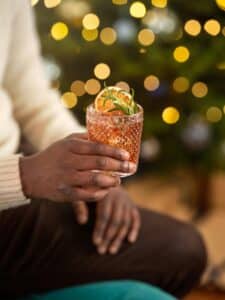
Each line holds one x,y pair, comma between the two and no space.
102,162
125,166
96,147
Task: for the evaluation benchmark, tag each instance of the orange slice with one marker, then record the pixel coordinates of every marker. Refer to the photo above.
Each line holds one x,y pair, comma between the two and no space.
104,105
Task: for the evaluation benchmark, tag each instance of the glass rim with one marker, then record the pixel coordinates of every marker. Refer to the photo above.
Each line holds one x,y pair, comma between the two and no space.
103,115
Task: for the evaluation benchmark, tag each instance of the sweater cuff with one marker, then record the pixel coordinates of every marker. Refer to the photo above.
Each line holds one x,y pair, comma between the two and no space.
11,193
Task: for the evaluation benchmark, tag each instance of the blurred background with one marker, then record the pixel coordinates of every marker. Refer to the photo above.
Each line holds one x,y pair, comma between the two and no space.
172,53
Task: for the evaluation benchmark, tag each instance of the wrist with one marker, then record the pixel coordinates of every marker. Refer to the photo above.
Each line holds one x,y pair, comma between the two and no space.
25,176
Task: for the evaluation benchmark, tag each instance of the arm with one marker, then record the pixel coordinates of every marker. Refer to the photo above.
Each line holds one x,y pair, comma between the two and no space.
36,106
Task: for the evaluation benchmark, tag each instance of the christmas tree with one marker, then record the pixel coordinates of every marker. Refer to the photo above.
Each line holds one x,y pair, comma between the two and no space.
171,52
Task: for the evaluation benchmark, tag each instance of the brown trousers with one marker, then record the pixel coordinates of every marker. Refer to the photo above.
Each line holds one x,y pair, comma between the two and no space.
43,248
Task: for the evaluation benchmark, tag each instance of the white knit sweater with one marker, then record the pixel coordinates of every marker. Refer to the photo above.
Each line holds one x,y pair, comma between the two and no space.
26,101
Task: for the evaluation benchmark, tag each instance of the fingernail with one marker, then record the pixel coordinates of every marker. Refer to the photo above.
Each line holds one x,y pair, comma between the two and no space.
132,238
97,240
82,220
132,166
113,250
125,154
101,250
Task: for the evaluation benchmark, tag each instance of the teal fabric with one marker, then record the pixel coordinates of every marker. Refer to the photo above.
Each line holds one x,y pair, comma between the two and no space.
112,290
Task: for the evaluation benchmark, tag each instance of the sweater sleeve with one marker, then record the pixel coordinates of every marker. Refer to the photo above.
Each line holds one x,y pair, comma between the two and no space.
11,194
37,107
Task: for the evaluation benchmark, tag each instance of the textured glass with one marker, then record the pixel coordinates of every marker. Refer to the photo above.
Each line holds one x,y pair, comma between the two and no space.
123,131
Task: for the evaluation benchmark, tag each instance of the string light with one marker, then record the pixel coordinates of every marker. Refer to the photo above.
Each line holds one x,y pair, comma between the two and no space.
102,71
142,51
181,54
137,9
59,31
199,89
51,3
151,83
212,27
221,4
181,84
89,35
34,2
91,21
123,85
119,2
170,115
146,37
92,86
108,36
69,99
193,27
214,114
77,87
159,3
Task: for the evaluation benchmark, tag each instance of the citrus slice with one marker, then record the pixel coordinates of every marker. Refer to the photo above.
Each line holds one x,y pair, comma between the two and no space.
104,101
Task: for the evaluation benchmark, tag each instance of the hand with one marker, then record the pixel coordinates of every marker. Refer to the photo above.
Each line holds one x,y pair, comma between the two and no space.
117,219
63,172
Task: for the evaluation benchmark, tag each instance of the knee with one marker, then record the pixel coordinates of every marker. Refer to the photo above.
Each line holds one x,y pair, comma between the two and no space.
191,251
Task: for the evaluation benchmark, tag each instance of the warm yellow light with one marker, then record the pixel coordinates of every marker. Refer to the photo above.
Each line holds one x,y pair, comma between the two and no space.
51,3
92,86
69,100
151,83
34,2
119,2
221,4
77,87
170,115
223,31
89,35
108,36
146,37
137,9
123,85
181,84
102,71
142,50
159,3
214,114
193,27
212,27
221,66
91,21
59,31
181,54
199,89
224,109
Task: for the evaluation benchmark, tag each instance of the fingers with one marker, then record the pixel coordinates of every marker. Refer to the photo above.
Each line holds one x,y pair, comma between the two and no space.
82,146
104,163
98,180
104,211
135,225
81,211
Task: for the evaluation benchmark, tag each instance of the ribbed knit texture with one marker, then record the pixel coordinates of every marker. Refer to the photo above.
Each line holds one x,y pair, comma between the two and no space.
27,103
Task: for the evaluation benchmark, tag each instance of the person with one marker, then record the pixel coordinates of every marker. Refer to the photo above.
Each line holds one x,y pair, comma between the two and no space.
61,224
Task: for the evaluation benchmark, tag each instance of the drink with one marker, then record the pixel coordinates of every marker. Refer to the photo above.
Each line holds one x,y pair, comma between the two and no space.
115,128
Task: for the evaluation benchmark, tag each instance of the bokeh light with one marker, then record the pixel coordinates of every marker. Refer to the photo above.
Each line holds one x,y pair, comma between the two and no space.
223,31
214,114
108,36
89,35
137,9
181,84
119,2
59,31
102,71
146,37
221,4
199,89
212,27
92,86
159,3
69,99
151,83
34,2
170,115
193,27
77,87
221,66
51,3
181,54
123,85
91,21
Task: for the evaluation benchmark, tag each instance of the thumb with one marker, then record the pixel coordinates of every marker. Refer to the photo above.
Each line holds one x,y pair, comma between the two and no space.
81,211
